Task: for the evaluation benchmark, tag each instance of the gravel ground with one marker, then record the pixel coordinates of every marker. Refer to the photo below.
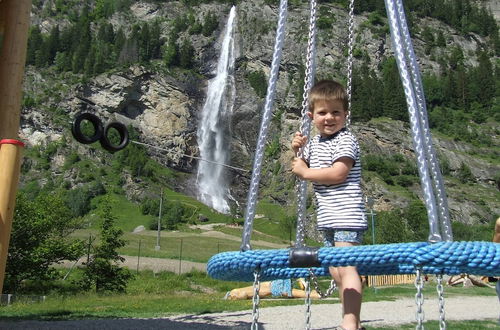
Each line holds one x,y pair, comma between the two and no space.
289,317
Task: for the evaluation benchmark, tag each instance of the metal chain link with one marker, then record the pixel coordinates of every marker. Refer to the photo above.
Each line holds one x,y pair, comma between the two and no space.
350,60
440,291
308,304
419,299
305,126
328,292
255,300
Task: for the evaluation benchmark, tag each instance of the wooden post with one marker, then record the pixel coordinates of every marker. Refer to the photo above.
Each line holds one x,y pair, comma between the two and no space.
14,25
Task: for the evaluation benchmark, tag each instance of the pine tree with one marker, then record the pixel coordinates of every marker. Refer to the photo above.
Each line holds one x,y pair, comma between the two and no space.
145,43
393,97
485,79
186,55
155,40
35,42
53,44
102,271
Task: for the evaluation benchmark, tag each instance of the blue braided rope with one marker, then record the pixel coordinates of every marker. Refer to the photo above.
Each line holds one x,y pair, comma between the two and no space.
482,258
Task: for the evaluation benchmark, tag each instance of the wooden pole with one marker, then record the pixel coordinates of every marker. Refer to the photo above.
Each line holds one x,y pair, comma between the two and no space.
14,25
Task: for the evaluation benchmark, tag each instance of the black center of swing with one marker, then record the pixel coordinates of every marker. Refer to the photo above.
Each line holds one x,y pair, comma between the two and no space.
304,257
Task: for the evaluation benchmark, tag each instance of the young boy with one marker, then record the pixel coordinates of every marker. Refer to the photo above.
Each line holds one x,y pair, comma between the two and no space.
331,160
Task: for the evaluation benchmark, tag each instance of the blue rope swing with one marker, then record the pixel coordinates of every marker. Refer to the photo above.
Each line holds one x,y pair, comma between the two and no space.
450,258
433,257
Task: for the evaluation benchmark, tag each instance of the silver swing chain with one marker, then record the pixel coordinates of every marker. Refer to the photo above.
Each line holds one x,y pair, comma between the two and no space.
255,300
419,299
440,291
328,292
350,60
308,304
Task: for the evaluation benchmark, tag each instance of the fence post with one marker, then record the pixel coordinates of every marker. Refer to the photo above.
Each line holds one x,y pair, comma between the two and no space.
138,257
180,257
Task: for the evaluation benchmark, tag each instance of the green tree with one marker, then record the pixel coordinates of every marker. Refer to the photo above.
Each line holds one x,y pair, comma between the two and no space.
35,42
40,238
102,271
170,53
210,25
186,54
393,96
391,228
258,81
464,174
484,78
53,44
174,215
415,216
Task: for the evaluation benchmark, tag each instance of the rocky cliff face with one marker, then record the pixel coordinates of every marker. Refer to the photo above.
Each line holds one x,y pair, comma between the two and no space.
164,106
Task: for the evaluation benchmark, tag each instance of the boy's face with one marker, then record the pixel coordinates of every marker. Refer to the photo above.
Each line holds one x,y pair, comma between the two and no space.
328,116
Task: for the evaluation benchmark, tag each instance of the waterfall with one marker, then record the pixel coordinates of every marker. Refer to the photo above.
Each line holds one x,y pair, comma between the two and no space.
214,127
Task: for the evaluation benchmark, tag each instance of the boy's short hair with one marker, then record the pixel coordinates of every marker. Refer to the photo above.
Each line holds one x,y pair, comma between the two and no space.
328,90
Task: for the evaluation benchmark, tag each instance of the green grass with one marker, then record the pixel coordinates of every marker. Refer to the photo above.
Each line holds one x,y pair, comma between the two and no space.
237,231
195,247
129,215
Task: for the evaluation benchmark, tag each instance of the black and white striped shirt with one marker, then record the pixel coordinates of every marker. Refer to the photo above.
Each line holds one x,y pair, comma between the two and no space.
340,206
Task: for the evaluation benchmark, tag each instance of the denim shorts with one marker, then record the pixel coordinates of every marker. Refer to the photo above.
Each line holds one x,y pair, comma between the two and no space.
330,236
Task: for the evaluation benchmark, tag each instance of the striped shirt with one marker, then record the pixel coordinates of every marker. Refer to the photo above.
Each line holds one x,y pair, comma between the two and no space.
340,206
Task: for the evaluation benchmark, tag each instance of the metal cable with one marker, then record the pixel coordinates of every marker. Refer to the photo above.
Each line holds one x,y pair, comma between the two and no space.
428,194
264,128
437,179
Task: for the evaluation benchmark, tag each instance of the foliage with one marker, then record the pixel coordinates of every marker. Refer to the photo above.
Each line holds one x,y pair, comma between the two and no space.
39,239
210,24
78,199
258,81
273,149
464,174
467,232
394,169
102,272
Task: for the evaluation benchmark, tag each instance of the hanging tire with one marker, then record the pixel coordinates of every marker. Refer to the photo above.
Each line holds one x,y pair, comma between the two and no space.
76,129
122,130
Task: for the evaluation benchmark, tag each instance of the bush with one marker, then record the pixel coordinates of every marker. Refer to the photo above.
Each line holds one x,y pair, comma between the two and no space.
210,25
102,271
40,238
258,81
464,174
405,180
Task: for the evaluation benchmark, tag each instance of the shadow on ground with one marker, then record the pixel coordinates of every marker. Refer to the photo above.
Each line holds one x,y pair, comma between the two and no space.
188,323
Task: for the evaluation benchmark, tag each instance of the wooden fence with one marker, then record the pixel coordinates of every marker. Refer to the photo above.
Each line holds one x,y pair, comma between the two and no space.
387,280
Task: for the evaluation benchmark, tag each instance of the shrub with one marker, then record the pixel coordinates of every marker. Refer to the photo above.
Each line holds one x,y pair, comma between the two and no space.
258,81
102,272
464,174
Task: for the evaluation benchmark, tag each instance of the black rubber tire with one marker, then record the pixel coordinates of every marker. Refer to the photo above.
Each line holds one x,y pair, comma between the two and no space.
122,130
76,129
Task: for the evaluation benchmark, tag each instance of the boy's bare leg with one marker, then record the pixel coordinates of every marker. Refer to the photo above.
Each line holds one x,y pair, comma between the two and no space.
350,288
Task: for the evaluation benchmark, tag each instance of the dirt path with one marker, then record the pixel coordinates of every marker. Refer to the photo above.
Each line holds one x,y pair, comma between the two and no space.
160,264
155,264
